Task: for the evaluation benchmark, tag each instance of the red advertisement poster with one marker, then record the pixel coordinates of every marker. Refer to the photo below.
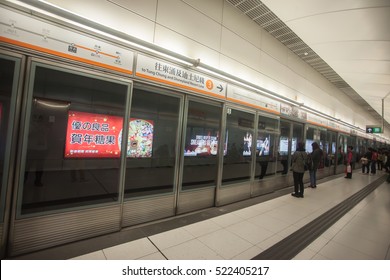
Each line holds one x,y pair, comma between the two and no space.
91,135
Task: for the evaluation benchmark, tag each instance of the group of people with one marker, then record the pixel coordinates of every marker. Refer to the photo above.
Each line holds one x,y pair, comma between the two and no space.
374,160
301,161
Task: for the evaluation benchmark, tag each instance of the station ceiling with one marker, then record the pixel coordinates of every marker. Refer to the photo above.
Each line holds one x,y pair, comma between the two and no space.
347,41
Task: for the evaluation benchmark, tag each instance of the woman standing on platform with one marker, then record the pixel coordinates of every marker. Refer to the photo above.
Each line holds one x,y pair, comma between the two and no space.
299,159
366,161
349,161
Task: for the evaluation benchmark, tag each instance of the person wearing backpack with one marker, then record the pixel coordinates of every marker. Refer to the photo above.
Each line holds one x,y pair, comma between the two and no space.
299,158
314,161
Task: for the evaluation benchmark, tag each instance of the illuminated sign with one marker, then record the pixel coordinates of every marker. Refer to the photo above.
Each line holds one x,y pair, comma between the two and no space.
140,139
91,135
373,129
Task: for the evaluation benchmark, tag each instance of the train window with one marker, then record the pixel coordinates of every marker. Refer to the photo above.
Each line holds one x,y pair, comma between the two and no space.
201,145
238,142
151,153
268,130
72,140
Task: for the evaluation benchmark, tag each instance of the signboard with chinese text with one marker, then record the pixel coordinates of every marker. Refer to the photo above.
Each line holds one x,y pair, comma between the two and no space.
253,99
91,135
31,33
170,74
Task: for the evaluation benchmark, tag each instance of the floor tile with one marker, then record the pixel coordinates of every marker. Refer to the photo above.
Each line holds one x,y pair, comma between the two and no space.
191,250
171,238
98,255
250,232
225,243
130,250
337,251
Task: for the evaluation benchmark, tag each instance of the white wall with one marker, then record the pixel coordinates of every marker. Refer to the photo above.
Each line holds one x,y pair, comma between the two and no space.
223,37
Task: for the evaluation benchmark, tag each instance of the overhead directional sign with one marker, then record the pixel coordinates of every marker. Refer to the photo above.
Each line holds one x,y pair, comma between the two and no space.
373,129
167,73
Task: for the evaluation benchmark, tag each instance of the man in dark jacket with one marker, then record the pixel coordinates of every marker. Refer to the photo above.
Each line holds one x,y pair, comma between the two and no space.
316,156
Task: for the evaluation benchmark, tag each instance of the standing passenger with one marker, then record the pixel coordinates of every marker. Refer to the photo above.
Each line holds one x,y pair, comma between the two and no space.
316,156
374,158
366,163
299,159
349,161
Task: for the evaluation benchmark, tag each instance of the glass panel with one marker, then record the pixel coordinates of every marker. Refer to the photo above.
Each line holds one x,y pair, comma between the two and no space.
285,131
297,136
8,76
153,128
341,150
324,147
332,149
73,143
268,130
310,138
239,151
201,145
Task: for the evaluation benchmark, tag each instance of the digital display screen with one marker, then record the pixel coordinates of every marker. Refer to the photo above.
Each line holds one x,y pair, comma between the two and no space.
92,135
293,145
308,146
247,144
283,145
262,145
140,139
202,145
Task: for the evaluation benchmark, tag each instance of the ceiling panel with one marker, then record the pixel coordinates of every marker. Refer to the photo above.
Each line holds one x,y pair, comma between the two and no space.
347,41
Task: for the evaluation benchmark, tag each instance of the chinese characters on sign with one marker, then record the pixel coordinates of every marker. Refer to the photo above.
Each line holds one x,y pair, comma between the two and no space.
92,135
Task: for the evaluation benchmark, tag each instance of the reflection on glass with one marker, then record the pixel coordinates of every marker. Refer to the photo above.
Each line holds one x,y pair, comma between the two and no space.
7,69
238,142
201,145
65,164
151,151
285,131
268,128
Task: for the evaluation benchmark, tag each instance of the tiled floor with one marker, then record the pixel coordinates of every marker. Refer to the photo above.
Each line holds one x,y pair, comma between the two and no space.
363,233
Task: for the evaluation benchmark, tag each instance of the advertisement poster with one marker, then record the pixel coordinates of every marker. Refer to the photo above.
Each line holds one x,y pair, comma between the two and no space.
294,143
283,145
247,144
202,145
91,135
140,139
308,147
262,145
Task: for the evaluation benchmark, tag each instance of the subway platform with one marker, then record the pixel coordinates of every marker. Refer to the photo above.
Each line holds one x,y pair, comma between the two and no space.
341,219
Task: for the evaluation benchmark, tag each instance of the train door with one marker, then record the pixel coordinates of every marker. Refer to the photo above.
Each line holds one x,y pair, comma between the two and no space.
341,152
239,155
291,133
153,155
69,167
318,135
200,155
266,164
11,66
331,156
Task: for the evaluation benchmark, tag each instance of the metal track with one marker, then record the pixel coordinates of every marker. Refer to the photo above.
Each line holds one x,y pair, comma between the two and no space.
290,246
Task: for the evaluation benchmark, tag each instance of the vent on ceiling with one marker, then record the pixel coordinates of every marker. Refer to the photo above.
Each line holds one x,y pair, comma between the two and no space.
264,17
